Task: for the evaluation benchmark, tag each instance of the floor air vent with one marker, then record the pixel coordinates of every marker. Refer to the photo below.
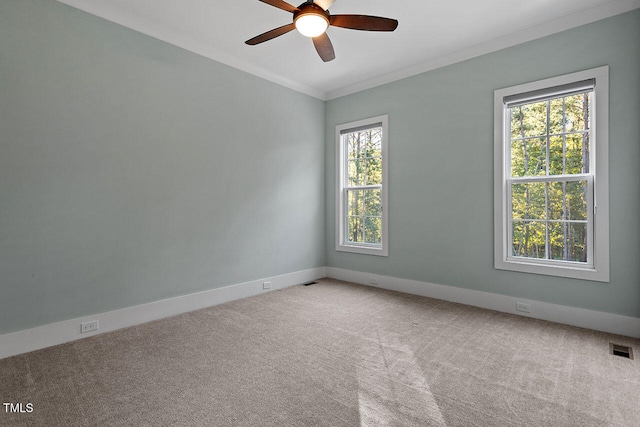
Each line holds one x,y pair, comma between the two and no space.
310,283
621,350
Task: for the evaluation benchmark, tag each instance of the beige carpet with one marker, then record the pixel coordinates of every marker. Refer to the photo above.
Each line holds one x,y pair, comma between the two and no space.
330,354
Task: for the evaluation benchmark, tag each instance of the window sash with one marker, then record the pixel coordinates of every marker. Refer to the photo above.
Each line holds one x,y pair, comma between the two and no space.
364,216
589,221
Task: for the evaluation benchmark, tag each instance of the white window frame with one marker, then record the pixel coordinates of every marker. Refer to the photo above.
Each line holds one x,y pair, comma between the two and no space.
597,267
342,244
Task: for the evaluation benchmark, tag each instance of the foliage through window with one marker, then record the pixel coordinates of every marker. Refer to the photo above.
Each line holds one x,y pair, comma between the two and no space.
361,224
547,185
550,139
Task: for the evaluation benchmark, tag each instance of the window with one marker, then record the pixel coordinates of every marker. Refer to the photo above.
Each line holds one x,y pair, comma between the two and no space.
551,176
361,220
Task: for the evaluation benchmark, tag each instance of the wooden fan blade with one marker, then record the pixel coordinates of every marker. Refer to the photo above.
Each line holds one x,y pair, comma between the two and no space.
364,22
272,34
324,47
325,4
281,5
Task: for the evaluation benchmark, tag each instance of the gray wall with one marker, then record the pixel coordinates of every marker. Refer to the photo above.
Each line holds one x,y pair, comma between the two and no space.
441,167
132,170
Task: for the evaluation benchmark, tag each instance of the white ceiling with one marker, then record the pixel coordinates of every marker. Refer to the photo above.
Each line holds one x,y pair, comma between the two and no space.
430,34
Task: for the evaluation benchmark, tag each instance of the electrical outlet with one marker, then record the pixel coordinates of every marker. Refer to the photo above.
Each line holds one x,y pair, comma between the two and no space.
89,326
525,308
266,285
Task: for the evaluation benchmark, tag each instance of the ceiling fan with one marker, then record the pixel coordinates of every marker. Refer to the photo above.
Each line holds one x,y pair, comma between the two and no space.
312,18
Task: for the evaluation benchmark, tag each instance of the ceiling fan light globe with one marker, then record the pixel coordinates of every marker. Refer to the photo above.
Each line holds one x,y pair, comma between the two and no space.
311,24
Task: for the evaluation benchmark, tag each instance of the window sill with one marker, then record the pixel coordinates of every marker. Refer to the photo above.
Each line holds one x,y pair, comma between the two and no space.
570,270
363,249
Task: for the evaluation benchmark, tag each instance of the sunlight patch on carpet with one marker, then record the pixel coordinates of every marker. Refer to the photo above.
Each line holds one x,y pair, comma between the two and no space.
403,396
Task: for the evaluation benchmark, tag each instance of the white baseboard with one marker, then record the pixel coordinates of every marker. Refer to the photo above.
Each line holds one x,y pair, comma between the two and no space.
52,334
590,319
39,337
